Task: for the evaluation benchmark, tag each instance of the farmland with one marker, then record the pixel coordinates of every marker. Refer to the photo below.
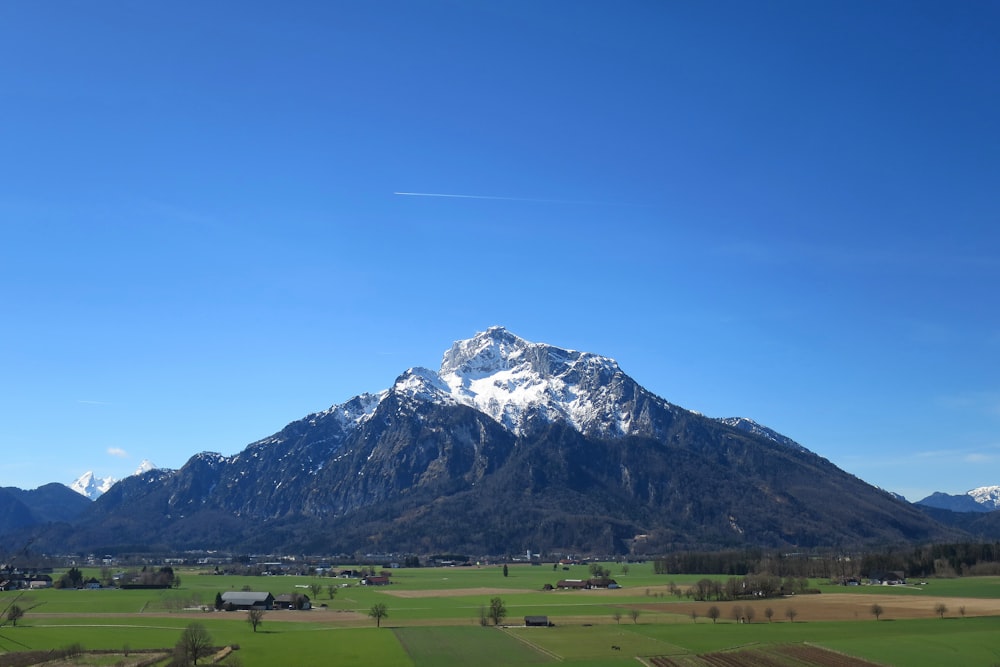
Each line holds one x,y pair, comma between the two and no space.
434,619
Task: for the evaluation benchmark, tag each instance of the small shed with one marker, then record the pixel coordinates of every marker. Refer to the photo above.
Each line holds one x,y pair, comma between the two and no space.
536,621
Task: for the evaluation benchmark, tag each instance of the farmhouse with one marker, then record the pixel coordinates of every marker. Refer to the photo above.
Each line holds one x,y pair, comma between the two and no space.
536,621
375,581
293,601
571,584
893,578
244,600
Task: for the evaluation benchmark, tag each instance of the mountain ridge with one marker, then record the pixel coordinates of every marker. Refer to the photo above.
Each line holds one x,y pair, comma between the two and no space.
509,445
981,499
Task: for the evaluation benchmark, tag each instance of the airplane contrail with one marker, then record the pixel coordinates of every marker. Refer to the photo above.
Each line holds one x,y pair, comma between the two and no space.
439,194
527,199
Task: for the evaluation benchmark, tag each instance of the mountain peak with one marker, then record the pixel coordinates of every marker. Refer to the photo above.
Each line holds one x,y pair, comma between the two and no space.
517,382
484,354
91,486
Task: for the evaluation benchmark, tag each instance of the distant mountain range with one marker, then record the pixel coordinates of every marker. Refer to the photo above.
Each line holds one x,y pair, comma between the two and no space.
510,445
982,499
93,487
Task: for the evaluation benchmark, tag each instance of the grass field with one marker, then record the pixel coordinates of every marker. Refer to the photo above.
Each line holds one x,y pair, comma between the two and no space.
434,620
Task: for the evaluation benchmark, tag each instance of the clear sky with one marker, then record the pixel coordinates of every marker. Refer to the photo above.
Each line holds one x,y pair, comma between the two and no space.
783,210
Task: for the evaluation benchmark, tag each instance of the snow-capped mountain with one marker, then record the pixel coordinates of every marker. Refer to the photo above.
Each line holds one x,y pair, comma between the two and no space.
90,485
981,499
510,443
522,385
987,496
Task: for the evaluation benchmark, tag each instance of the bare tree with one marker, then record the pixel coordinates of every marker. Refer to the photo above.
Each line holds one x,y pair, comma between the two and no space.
314,588
791,614
749,613
737,613
876,610
378,612
255,617
634,613
713,613
617,616
940,609
14,613
769,613
194,644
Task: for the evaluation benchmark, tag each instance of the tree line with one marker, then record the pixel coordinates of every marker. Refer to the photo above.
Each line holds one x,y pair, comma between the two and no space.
750,587
943,560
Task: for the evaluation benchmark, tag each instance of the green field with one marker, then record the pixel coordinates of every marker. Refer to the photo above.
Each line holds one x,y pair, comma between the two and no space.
434,621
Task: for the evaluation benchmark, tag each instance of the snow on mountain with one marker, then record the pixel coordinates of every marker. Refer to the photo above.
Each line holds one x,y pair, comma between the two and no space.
145,466
91,486
750,426
514,381
519,383
987,496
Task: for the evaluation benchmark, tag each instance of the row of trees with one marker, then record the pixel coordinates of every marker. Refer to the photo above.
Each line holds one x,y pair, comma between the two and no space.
745,614
953,559
753,586
942,560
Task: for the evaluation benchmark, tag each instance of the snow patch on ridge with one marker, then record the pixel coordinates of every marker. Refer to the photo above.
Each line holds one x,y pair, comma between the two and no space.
518,383
988,496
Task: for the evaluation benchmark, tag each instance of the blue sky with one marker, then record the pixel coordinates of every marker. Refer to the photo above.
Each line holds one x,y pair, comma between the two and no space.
781,210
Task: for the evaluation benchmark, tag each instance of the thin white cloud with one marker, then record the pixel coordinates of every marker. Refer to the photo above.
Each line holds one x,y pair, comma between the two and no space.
498,198
982,402
88,402
117,451
986,452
